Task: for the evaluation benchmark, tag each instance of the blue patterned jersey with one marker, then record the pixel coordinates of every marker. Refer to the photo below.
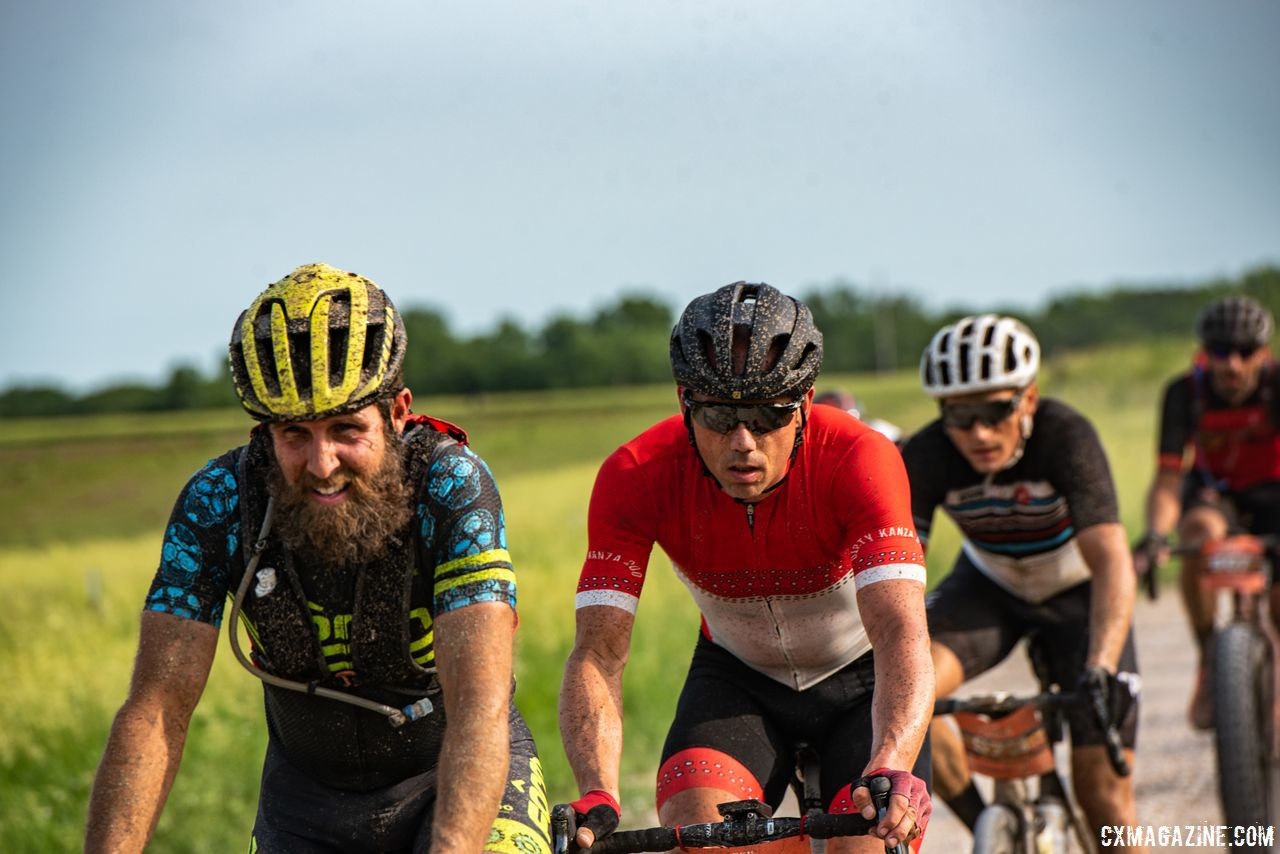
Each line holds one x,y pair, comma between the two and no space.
460,544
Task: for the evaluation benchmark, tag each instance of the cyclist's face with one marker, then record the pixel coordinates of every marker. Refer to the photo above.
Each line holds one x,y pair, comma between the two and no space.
990,441
328,453
1234,373
747,463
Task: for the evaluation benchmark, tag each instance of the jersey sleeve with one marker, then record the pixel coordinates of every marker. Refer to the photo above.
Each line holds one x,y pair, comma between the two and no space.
1083,475
621,531
922,475
1175,425
874,499
463,532
201,542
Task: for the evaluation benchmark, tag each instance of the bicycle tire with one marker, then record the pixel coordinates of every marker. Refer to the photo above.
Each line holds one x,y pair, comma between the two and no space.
1241,707
997,831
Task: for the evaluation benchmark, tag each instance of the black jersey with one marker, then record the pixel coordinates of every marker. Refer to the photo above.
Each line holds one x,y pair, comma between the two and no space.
1019,524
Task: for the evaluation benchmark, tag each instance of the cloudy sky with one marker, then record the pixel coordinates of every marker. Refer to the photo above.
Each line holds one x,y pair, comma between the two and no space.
162,162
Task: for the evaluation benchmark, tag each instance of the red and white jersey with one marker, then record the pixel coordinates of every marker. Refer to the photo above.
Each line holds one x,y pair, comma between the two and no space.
775,581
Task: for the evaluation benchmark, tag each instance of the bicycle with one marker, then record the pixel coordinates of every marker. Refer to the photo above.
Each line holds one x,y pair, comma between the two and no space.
1010,739
1242,661
748,822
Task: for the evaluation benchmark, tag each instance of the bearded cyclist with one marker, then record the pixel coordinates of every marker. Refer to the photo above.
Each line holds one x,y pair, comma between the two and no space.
1044,555
791,526
365,547
1218,468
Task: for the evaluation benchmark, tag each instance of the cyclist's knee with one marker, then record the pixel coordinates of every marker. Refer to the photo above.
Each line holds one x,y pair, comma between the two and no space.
950,766
694,805
1202,523
948,672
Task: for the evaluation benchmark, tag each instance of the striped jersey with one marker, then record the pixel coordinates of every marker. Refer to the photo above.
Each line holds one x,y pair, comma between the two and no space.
1019,524
776,581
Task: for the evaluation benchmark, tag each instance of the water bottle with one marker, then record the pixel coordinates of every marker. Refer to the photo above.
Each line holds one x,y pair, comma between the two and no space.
1051,826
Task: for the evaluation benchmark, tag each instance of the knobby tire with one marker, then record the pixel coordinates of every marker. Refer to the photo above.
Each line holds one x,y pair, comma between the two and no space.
1241,712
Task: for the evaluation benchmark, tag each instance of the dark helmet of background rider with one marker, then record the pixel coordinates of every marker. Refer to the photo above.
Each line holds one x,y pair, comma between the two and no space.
1235,321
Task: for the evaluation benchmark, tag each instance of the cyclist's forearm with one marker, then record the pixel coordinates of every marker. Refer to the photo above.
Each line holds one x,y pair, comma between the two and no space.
902,707
1164,504
591,722
472,773
133,780
893,612
476,688
1111,599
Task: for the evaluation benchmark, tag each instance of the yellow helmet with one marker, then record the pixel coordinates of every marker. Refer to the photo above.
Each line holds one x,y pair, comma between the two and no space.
319,342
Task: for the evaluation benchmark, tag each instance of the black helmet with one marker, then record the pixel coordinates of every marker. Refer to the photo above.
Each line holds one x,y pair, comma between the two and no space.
1235,321
319,342
783,347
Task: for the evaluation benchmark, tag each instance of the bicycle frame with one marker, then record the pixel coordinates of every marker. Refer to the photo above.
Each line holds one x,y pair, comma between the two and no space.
1010,739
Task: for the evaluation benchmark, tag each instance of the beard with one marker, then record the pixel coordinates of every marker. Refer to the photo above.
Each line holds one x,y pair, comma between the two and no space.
355,531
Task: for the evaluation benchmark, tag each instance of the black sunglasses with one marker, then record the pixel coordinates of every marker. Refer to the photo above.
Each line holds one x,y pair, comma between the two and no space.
962,416
1224,351
725,417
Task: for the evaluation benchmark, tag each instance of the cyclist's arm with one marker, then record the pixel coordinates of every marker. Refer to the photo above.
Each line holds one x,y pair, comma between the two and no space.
894,616
1164,498
1164,501
473,649
1106,552
591,697
145,746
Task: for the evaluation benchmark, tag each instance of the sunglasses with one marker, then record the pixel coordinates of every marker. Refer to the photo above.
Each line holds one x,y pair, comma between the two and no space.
992,413
1224,351
725,417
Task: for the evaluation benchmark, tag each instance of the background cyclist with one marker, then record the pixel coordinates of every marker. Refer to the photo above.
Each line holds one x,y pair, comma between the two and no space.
1044,555
1218,467
791,526
384,578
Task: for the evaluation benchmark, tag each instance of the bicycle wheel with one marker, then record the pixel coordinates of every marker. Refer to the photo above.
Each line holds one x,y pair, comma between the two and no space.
996,831
1241,713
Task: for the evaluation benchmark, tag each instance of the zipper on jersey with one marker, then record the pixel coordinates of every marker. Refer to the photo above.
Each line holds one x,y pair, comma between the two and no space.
751,517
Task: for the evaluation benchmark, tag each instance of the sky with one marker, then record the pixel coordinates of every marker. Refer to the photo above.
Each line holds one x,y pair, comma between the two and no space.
162,162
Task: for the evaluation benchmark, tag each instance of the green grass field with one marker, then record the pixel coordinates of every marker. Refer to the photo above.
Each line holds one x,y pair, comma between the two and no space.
84,502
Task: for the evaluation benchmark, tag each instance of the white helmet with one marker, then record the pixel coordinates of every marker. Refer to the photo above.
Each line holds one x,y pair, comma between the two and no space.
980,353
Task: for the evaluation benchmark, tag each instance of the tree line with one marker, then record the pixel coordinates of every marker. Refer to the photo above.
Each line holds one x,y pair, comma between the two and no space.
625,343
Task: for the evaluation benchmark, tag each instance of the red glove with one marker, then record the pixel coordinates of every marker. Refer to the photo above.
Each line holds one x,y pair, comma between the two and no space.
912,788
598,812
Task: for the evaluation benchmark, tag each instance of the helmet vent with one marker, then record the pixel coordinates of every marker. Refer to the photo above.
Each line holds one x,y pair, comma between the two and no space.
963,363
707,348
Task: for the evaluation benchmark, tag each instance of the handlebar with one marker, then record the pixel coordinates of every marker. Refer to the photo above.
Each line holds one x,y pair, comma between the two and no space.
1268,543
745,823
1000,704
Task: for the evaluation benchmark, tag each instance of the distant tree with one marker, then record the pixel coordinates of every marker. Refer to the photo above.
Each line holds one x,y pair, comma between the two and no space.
28,401
122,397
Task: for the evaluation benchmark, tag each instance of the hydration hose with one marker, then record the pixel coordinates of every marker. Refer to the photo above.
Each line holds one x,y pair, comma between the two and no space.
397,717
